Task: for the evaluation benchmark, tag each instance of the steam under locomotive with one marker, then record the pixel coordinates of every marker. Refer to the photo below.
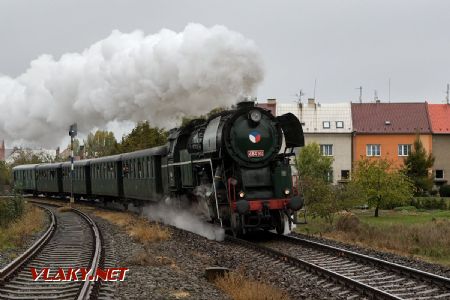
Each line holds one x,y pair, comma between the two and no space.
231,166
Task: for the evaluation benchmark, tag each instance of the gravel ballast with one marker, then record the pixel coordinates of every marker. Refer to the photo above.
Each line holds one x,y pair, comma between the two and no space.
175,268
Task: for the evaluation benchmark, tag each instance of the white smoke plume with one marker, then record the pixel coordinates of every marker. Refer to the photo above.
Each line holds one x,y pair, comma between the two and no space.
186,219
129,77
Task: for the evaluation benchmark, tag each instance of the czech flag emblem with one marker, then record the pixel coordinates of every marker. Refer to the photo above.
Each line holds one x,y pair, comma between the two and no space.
254,137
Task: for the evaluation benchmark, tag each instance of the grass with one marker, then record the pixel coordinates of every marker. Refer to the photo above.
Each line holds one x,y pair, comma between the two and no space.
16,233
138,228
405,231
238,287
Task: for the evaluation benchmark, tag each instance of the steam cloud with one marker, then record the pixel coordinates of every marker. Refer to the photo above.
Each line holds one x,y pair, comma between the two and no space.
186,219
129,77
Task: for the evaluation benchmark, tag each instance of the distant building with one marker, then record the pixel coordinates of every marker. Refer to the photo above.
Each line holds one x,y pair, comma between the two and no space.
330,126
388,130
440,126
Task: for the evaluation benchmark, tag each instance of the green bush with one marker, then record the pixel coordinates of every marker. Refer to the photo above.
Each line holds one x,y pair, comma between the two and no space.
10,209
429,203
407,208
444,191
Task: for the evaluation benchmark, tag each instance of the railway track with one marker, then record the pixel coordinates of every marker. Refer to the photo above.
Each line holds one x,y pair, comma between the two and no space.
372,277
72,241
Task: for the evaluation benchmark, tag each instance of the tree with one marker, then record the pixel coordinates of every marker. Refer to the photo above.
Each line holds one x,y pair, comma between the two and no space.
5,175
381,185
417,165
102,143
27,156
143,136
312,164
314,172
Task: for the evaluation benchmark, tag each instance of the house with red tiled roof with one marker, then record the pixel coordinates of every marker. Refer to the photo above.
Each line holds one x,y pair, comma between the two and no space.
388,130
439,115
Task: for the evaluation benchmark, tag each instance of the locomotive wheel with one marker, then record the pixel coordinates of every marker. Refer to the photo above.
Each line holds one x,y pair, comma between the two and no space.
280,222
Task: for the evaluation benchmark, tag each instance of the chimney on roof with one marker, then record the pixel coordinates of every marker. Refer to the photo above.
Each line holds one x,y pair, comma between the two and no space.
311,102
272,101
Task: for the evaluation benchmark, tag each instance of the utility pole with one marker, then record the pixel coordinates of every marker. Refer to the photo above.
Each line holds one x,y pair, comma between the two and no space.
360,94
72,133
389,90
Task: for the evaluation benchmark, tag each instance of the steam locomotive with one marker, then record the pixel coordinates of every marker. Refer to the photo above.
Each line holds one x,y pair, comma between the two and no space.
231,166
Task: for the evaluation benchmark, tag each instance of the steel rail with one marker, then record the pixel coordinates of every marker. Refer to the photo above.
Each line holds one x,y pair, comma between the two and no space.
401,269
88,286
297,262
23,258
87,290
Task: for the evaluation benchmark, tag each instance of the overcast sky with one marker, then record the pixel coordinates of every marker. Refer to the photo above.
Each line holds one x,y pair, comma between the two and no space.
342,44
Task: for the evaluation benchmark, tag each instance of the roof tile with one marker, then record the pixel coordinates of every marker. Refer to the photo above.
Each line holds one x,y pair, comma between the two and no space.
390,118
439,117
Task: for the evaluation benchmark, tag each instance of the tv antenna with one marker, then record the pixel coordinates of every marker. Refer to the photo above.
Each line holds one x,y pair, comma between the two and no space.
447,93
375,96
360,93
299,96
315,85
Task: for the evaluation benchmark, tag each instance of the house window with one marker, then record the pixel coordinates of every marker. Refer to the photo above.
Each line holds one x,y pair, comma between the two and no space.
404,149
439,174
326,124
373,149
326,150
345,174
339,124
329,176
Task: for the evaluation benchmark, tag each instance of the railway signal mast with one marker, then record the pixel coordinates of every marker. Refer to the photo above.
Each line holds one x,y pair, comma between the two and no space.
72,132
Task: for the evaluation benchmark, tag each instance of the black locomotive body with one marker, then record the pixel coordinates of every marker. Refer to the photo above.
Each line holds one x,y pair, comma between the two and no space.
230,166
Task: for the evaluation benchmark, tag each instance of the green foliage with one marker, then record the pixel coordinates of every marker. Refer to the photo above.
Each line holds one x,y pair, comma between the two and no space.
26,156
312,164
380,185
101,143
321,198
417,165
430,203
5,174
444,191
10,209
143,136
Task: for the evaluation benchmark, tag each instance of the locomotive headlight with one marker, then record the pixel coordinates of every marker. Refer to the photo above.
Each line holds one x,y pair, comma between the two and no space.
287,191
255,115
241,194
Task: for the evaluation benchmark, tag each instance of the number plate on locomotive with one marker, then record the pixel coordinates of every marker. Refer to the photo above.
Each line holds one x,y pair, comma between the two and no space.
255,153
